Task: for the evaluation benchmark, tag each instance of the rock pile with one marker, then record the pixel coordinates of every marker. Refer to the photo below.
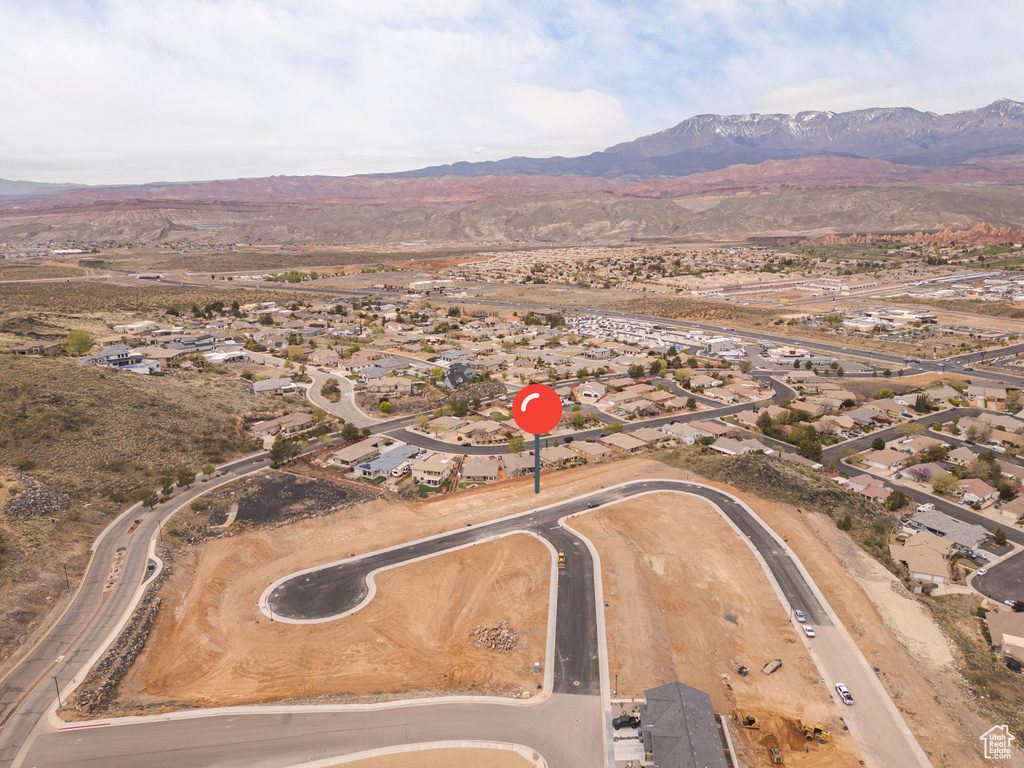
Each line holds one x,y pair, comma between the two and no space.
499,637
104,677
35,499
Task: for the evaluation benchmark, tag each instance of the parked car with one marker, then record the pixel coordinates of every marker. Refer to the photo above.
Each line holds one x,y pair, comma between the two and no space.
844,693
808,630
625,721
799,615
981,572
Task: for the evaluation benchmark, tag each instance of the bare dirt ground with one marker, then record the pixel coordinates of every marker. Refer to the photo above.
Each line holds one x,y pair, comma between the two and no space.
443,758
210,645
679,600
871,387
891,629
210,612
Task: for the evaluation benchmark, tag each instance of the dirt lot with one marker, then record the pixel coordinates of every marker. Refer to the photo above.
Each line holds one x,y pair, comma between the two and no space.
682,603
209,614
871,387
211,646
891,629
443,758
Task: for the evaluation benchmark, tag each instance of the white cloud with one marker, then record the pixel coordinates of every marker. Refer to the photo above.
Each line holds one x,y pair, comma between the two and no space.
122,91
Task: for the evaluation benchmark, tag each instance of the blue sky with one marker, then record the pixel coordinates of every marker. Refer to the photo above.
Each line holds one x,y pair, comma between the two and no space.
113,91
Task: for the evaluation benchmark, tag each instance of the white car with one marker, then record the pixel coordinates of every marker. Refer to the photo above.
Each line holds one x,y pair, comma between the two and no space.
808,630
1011,603
844,693
799,615
981,572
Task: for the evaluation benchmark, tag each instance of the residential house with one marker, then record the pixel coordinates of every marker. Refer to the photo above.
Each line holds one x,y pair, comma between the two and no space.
479,469
114,356
1006,628
713,428
731,447
484,431
393,463
965,537
652,437
961,456
446,424
591,451
976,491
397,385
324,357
357,453
640,407
886,459
590,392
925,473
517,464
926,557
457,375
685,433
623,442
38,348
557,456
433,470
282,386
867,486
285,425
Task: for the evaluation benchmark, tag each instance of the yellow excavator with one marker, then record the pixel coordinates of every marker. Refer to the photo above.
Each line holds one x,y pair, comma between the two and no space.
745,720
816,733
561,559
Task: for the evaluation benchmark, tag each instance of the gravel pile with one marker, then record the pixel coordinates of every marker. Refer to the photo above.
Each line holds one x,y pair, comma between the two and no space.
35,499
499,637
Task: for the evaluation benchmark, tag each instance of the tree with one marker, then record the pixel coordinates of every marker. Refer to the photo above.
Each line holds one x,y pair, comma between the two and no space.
611,429
421,422
578,420
365,432
460,408
840,371
385,407
923,403
655,367
884,394
746,366
845,523
582,374
896,500
910,428
319,416
765,423
209,469
691,403
79,342
796,364
945,485
516,444
999,537
808,364
635,371
186,476
877,444
437,373
1014,400
809,449
682,377
349,432
150,501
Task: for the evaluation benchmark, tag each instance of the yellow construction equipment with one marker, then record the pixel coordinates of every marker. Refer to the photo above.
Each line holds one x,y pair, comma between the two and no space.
775,755
561,559
815,733
745,720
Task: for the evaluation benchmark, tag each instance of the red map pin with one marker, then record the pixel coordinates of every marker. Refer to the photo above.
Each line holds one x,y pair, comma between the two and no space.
537,409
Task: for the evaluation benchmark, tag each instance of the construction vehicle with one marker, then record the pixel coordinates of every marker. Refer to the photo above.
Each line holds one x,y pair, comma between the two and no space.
561,559
743,671
745,720
775,755
815,733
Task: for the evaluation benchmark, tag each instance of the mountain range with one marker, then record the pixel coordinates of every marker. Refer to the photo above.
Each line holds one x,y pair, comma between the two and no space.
775,174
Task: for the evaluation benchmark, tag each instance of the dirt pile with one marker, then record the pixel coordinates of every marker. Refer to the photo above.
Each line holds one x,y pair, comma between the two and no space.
34,499
497,638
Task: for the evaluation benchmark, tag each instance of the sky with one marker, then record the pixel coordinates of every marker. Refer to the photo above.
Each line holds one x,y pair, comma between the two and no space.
121,91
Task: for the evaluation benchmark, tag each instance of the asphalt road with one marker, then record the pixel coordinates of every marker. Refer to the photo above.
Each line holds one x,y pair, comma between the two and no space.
29,689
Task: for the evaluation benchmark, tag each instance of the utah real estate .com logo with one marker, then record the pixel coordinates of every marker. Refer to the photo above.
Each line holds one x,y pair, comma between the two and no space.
997,742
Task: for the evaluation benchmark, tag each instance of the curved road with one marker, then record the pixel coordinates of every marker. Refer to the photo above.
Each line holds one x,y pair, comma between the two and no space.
566,728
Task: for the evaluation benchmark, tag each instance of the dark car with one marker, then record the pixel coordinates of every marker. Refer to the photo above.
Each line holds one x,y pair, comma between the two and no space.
625,721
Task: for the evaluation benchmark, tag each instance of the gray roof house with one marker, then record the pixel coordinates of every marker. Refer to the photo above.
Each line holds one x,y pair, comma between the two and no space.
679,728
386,463
964,536
114,356
457,375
